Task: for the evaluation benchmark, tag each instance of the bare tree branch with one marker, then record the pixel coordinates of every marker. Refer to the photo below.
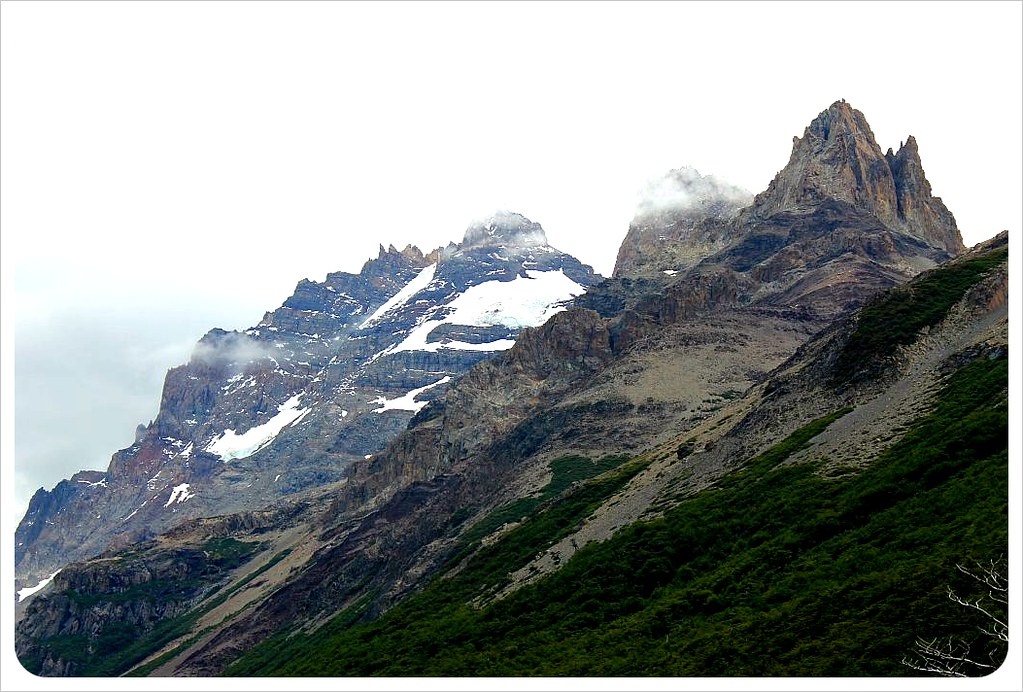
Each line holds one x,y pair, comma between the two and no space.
952,658
947,659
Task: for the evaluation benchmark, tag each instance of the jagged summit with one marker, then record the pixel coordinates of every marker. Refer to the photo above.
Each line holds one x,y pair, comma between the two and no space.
327,378
838,158
504,228
839,222
411,252
914,199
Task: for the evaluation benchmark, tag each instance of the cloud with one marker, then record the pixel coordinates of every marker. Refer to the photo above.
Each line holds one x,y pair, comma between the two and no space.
221,348
685,190
84,379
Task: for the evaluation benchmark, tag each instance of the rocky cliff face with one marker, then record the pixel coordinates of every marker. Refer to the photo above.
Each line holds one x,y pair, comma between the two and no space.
152,582
487,402
326,379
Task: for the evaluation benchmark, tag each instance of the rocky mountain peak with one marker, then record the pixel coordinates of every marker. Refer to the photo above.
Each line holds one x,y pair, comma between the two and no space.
265,414
677,223
915,204
840,118
504,228
838,158
411,253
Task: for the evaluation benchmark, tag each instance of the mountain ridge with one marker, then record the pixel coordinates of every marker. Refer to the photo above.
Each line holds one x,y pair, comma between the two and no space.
652,393
329,359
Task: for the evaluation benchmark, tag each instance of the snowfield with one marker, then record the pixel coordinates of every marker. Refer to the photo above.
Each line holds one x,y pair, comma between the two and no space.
29,590
179,493
421,281
523,302
407,402
230,445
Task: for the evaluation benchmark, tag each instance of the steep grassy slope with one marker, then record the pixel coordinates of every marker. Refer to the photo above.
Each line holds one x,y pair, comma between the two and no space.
896,317
777,571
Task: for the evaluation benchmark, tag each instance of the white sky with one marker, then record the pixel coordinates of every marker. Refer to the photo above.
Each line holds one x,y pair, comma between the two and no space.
172,167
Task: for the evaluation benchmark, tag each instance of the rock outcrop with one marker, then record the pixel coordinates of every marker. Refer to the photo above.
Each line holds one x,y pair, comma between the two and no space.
839,222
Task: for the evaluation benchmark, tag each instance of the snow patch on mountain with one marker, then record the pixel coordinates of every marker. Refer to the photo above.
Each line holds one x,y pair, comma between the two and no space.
29,590
230,445
136,511
421,281
179,493
523,302
407,402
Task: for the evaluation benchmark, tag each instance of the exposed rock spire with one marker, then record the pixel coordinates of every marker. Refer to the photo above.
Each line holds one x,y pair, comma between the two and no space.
916,205
838,158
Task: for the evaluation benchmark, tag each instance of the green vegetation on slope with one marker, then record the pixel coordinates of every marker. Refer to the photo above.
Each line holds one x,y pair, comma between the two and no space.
479,576
777,571
182,625
896,317
565,471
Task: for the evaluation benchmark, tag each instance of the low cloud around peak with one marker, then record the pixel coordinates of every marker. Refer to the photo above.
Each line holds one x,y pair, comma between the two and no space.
686,190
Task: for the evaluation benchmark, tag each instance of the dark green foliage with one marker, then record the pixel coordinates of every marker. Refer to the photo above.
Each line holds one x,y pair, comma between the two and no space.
480,575
565,471
169,630
217,556
777,571
896,317
228,553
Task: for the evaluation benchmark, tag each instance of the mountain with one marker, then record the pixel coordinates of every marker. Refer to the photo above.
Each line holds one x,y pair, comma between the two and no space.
798,523
324,380
681,219
823,513
748,454
838,158
840,222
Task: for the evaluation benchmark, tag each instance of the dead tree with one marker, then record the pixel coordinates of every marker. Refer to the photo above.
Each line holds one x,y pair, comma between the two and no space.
956,657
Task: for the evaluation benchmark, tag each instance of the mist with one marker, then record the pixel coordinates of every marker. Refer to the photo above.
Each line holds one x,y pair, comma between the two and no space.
83,385
221,349
686,190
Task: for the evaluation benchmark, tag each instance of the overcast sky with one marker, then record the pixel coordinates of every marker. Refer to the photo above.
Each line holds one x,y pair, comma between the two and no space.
169,168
